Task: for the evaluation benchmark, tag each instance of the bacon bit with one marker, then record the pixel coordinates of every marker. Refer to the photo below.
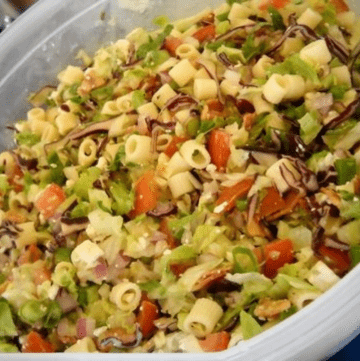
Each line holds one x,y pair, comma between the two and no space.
91,82
211,277
151,86
291,201
332,196
249,119
40,275
270,309
14,216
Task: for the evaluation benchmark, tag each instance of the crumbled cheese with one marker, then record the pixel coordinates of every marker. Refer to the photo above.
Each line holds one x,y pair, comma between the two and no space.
86,253
221,207
98,331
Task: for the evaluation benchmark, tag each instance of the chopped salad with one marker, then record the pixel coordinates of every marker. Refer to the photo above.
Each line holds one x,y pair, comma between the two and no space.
188,188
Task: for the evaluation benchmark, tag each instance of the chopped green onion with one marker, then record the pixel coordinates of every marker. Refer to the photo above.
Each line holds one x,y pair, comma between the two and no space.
285,314
161,21
355,255
32,311
53,315
338,91
223,16
277,19
7,326
245,267
27,138
192,127
241,204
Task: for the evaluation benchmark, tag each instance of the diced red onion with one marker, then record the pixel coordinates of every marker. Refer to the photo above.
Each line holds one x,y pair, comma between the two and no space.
85,327
66,301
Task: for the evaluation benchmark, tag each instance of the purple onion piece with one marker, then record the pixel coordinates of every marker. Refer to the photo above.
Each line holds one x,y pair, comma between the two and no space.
233,31
153,123
337,49
100,127
179,101
162,210
223,59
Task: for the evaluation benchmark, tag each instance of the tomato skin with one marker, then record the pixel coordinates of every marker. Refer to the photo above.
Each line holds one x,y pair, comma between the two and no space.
172,148
278,4
170,239
231,194
205,33
340,5
277,254
36,344
146,317
271,203
339,261
219,148
171,44
146,194
215,342
50,199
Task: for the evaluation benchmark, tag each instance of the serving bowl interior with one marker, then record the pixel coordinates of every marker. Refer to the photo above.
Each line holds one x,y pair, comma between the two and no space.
46,38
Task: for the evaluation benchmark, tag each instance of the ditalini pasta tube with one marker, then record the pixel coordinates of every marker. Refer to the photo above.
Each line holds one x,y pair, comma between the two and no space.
126,295
120,124
176,165
181,184
182,72
203,317
87,152
316,53
138,149
205,89
195,154
187,51
310,18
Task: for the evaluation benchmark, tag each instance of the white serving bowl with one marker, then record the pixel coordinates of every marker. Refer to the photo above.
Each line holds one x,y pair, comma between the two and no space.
46,38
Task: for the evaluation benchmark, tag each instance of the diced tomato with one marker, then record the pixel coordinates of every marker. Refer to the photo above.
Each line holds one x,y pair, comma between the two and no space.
35,343
205,33
50,200
277,254
172,148
231,194
146,194
179,268
170,239
339,261
278,4
219,148
31,255
259,255
340,5
40,275
215,342
214,109
146,317
171,44
271,203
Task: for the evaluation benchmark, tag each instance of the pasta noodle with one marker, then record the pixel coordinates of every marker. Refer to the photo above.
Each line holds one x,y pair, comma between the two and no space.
138,149
203,317
164,94
126,296
187,51
182,72
87,152
195,154
316,53
205,89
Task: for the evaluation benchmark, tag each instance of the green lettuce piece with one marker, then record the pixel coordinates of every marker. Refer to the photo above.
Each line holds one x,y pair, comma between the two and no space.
280,289
249,325
153,44
329,14
296,282
350,210
180,254
28,182
223,16
7,325
313,162
277,19
246,262
104,93
88,295
346,170
56,172
85,182
338,91
309,128
234,55
161,20
354,255
301,236
27,138
124,198
154,289
223,27
205,235
250,50
295,65
8,348
285,314
4,184
350,233
344,135
155,58
138,98
81,210
118,160
228,315
62,254
176,226
100,310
